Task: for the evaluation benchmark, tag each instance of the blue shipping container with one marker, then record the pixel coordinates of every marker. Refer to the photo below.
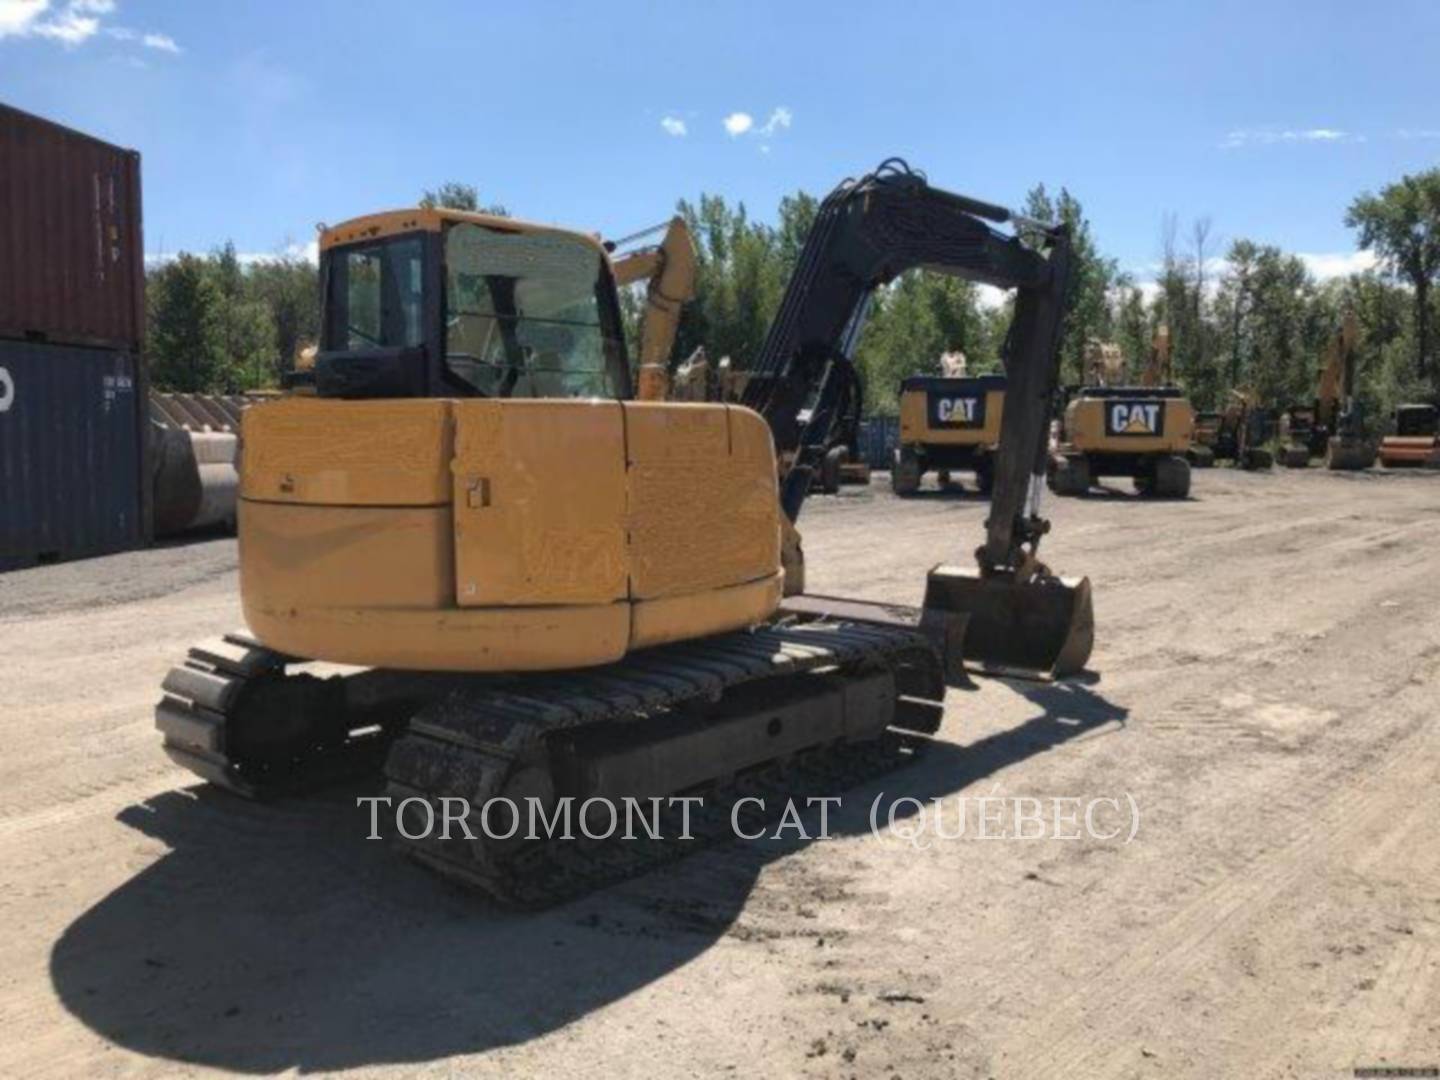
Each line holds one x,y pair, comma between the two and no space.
70,452
879,436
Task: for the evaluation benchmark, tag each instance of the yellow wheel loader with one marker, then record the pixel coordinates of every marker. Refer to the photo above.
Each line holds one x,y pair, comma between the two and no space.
947,424
550,593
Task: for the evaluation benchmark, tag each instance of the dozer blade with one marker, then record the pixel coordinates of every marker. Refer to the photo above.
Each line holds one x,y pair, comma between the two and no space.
1042,629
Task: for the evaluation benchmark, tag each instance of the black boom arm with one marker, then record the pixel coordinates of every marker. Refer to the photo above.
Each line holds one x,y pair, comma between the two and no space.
866,233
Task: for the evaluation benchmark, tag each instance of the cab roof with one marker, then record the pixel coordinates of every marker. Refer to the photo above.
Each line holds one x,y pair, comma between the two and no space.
421,219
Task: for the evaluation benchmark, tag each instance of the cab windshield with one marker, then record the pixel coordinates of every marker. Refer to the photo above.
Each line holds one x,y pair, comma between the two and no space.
523,314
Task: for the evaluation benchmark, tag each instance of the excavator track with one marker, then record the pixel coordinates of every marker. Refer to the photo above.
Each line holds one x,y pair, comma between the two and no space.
482,743
234,716
478,738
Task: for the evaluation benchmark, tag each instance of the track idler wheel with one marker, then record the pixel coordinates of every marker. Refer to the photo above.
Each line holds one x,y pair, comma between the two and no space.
283,720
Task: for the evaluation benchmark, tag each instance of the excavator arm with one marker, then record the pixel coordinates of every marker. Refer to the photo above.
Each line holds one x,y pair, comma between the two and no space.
1013,614
866,233
669,268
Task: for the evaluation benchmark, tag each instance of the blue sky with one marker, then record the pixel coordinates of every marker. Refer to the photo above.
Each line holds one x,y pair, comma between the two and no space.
257,120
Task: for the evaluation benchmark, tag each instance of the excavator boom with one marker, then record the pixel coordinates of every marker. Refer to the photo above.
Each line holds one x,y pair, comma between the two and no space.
669,270
866,233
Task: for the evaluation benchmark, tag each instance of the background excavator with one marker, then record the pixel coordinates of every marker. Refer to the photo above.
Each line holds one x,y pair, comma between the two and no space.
1141,431
557,589
948,423
1329,428
1241,431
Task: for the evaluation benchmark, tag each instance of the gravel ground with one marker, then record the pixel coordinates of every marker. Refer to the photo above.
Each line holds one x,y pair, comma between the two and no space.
1268,655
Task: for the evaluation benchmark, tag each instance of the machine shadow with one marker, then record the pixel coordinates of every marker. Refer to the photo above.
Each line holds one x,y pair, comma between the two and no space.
1124,495
966,493
274,937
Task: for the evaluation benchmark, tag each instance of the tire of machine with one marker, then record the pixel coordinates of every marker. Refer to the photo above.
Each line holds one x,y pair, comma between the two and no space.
1171,478
1070,475
906,472
985,475
1295,457
1258,458
830,469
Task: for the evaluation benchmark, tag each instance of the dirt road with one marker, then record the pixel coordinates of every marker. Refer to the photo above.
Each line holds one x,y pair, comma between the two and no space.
1269,659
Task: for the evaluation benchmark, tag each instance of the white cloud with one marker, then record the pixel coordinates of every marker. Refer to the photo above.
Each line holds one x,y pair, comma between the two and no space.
17,17
779,120
73,24
307,252
1325,265
70,28
991,297
1417,133
1271,136
673,125
738,123
742,123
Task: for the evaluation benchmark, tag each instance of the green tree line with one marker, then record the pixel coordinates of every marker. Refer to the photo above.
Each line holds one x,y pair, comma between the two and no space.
1246,316
215,325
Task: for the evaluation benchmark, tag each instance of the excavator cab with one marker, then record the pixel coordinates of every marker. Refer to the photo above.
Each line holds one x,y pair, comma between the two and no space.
438,303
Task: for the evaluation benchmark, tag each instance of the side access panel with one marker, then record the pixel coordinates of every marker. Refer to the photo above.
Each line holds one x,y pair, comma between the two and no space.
539,496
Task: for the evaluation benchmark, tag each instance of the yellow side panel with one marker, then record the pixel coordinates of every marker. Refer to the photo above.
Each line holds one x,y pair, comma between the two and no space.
472,639
702,505
915,426
374,587
539,493
912,416
679,618
1085,429
347,453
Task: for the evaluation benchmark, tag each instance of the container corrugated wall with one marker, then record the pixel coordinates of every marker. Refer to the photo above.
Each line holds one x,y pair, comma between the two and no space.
74,416
70,469
879,436
71,255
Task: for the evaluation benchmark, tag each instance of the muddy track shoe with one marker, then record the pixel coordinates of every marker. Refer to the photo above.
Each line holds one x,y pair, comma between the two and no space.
509,768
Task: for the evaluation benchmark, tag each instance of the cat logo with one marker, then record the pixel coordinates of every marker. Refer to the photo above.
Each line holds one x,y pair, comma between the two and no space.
1135,418
7,390
956,410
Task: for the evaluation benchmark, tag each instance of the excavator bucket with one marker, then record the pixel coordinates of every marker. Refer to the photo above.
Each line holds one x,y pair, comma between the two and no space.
1348,455
1042,629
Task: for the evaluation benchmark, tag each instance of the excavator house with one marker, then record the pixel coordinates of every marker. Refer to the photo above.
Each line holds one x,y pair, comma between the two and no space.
543,584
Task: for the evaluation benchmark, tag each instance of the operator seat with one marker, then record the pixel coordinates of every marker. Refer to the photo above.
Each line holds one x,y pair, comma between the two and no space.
542,378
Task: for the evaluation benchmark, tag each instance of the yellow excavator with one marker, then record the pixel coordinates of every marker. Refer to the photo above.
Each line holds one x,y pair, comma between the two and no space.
1328,428
549,589
1141,431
